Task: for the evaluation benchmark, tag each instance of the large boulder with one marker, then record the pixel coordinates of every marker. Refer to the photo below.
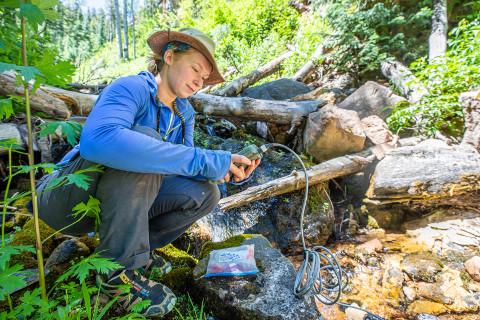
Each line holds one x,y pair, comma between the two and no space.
266,295
372,99
281,89
333,132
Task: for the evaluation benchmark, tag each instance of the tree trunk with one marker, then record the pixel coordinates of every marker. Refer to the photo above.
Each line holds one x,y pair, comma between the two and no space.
404,80
117,27
324,171
280,112
306,69
133,33
471,112
235,87
80,103
40,101
438,38
125,28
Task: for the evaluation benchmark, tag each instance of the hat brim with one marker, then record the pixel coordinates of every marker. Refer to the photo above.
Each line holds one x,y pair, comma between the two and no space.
159,39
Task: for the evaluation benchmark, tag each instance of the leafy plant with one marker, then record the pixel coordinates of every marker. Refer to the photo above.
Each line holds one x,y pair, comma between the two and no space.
445,78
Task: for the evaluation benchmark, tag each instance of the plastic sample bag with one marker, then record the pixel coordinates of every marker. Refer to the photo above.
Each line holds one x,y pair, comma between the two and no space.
236,261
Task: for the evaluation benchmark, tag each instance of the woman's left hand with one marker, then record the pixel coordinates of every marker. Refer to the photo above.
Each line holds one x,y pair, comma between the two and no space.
252,167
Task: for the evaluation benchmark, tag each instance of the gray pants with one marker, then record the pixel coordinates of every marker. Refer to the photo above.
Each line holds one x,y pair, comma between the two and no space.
139,211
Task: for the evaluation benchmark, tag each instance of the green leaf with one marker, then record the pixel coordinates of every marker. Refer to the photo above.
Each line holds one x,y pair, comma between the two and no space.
90,209
6,108
80,180
81,269
32,13
10,4
10,143
70,130
48,167
8,251
28,73
10,281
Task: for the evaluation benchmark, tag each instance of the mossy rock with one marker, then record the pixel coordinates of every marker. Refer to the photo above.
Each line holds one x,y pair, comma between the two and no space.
317,201
26,236
91,242
21,205
178,279
372,223
177,257
231,242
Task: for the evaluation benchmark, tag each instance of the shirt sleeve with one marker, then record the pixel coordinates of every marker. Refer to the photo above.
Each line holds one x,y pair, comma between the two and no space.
107,138
189,128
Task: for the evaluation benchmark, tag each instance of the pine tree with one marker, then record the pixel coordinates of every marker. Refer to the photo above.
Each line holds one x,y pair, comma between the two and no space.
125,28
117,27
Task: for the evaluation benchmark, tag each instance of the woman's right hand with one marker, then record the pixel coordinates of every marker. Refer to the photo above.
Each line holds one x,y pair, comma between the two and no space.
238,172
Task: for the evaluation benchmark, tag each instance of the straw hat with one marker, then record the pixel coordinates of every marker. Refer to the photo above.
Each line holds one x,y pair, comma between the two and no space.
193,37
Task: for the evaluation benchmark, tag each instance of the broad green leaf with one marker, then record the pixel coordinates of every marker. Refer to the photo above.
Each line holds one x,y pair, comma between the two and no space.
11,143
81,269
28,73
48,167
8,251
32,13
6,108
10,3
80,180
10,281
70,130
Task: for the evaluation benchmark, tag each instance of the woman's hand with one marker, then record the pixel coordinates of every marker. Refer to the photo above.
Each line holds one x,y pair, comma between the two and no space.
240,172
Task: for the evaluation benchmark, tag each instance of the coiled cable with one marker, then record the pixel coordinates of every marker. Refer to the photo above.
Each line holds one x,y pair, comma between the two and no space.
320,273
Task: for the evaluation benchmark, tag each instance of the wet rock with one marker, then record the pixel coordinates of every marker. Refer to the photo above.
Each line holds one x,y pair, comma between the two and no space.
421,266
372,99
425,316
409,293
392,282
376,130
425,306
472,266
452,234
354,313
449,290
66,252
281,89
266,295
369,234
277,218
369,247
333,132
224,128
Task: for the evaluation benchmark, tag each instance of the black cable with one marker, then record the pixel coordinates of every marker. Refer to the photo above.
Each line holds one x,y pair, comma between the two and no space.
320,273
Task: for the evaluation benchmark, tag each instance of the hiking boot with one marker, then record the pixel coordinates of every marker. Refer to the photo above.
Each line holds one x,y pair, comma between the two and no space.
162,299
158,263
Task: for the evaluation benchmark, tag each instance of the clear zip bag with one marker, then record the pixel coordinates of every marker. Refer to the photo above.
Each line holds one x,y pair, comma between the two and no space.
235,261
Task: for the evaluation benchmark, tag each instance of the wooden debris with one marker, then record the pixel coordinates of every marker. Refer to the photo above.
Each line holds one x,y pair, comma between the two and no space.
236,86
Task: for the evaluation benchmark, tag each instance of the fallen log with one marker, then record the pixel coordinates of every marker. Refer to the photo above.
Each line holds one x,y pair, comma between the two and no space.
404,80
280,112
80,103
40,101
94,87
236,86
306,69
429,174
324,171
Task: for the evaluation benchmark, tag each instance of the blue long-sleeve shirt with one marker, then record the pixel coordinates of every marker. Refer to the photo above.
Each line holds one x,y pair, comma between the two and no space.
108,139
